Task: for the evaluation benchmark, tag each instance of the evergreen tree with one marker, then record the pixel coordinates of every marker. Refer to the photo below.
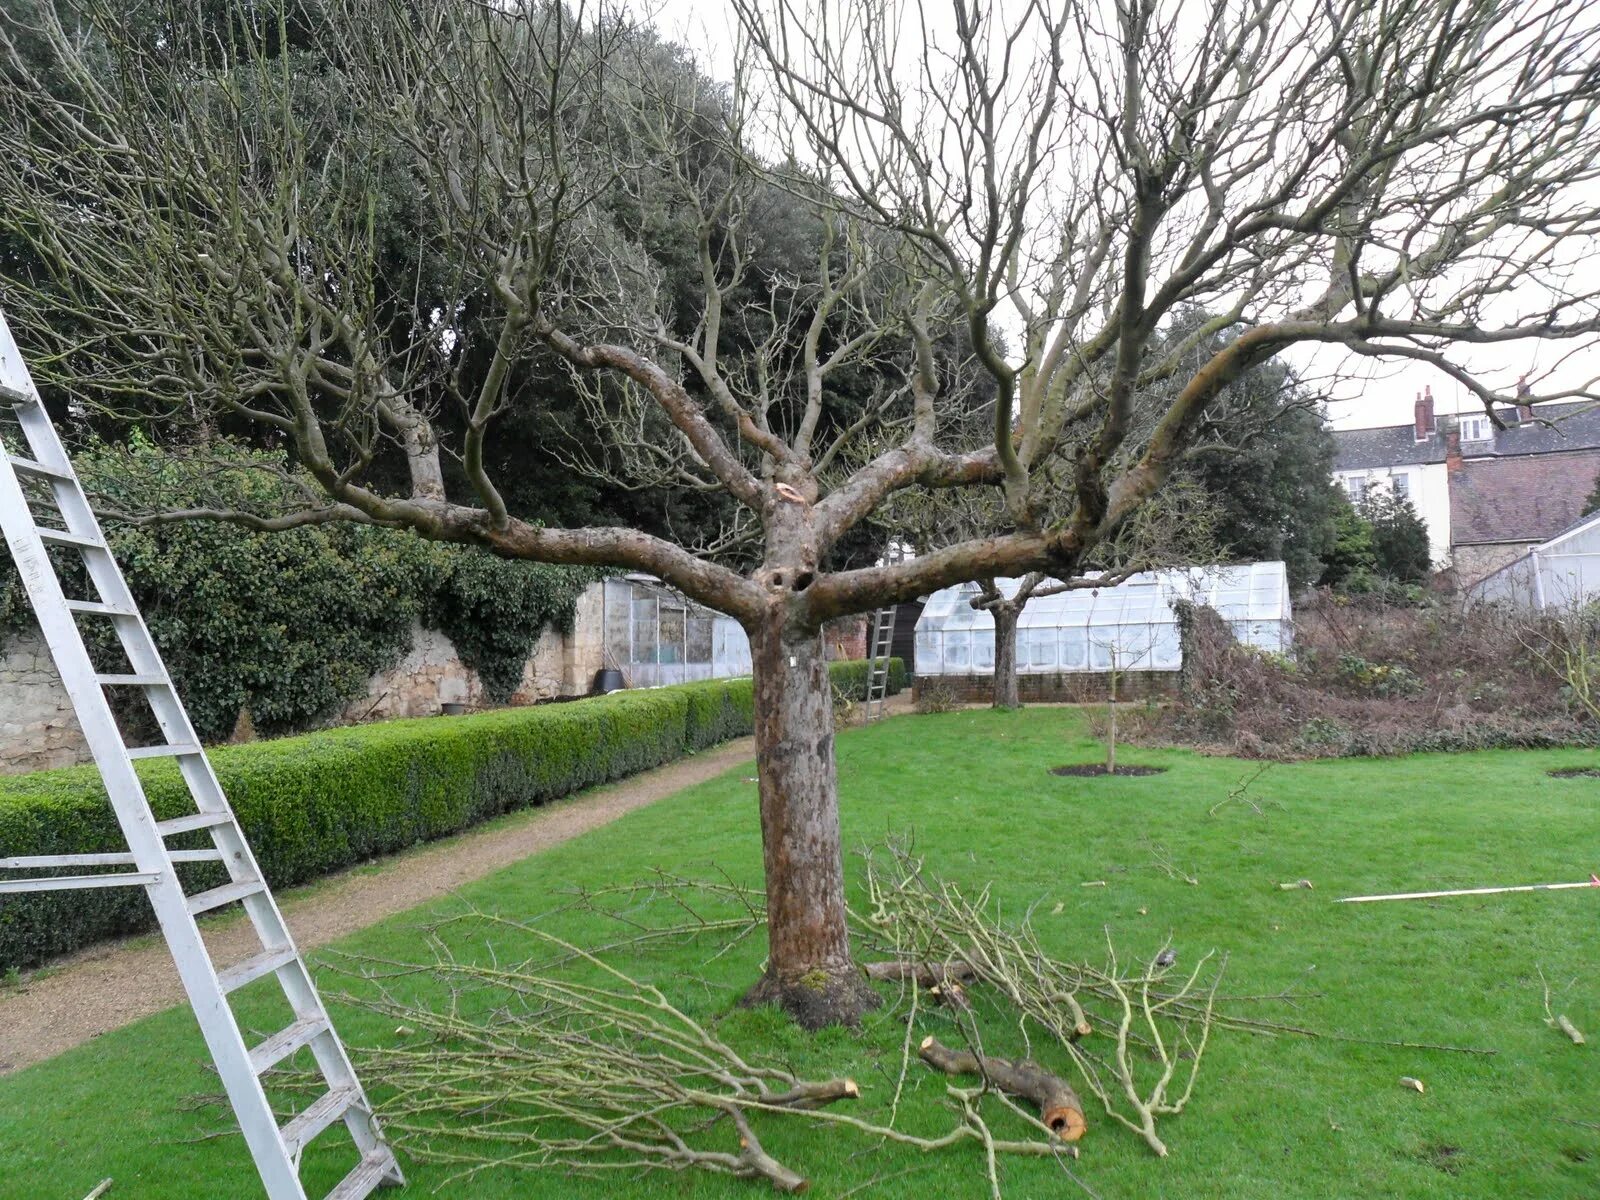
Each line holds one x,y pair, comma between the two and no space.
1351,558
1399,537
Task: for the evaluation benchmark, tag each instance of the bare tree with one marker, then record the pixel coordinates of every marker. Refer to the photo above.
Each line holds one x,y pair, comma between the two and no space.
209,227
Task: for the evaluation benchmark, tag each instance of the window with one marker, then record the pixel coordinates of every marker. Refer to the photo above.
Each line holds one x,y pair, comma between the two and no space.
983,650
957,651
644,629
1355,487
699,638
1400,485
1475,429
1074,649
1038,649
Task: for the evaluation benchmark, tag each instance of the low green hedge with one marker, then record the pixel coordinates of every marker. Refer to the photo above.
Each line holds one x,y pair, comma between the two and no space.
321,801
850,677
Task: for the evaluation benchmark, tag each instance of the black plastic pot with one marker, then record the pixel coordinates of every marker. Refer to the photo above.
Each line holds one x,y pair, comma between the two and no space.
608,679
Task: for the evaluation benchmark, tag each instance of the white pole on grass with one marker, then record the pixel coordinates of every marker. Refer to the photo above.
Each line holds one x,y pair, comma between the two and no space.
1592,882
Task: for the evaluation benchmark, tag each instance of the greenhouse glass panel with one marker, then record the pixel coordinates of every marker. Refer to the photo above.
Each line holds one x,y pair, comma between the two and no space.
957,652
658,636
673,635
1075,649
1036,648
930,652
983,651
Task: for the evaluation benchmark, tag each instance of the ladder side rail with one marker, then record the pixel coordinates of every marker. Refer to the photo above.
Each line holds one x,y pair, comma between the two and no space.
79,678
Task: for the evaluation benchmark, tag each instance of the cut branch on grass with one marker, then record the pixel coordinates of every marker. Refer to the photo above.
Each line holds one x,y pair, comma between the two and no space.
1558,1021
1158,1024
1057,1102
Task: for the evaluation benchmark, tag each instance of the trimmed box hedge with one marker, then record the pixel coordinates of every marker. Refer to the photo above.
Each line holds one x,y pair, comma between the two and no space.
322,801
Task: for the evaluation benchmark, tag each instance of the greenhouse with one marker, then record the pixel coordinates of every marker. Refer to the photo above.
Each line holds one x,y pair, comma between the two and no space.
1561,573
655,635
1127,627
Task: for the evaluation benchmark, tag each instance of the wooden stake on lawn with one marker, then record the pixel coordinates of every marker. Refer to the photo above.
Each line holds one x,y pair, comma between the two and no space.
1592,882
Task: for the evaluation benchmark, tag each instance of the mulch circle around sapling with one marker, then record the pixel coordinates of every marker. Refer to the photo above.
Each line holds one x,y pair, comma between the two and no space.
1575,773
1088,769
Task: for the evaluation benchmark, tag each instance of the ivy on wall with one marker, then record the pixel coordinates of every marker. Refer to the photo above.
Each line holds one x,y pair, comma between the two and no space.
293,624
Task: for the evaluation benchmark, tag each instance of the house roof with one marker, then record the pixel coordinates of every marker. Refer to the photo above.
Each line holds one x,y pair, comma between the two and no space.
1390,446
1528,498
1557,428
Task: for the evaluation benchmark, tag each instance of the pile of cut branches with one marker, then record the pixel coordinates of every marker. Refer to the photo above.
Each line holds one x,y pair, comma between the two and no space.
566,1061
537,1064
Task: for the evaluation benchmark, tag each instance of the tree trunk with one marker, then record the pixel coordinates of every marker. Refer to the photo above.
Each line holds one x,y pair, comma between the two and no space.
809,969
1005,656
1111,740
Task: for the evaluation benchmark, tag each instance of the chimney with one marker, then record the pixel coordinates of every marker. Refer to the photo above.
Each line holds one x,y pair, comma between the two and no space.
1452,450
1524,409
1424,415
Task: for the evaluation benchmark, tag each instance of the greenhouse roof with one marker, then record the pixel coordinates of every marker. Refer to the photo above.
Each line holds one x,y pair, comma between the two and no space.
1246,592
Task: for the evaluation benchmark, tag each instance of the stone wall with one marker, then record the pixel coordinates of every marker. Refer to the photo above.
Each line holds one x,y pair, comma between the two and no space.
38,730
1473,563
432,675
37,727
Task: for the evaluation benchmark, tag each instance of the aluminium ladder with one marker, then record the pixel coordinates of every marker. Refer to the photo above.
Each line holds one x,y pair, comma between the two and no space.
882,647
45,479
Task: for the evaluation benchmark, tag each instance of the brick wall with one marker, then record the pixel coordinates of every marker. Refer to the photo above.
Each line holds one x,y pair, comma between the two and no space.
1071,687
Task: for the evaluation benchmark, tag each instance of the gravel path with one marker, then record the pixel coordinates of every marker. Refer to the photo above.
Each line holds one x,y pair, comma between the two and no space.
113,985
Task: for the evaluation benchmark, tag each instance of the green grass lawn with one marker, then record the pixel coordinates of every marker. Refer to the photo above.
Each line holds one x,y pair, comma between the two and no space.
1270,1118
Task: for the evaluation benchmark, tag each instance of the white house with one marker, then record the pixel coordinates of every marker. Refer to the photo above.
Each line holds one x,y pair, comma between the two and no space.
1407,460
1487,495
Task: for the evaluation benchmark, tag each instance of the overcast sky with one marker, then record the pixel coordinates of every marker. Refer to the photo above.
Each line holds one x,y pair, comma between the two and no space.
1363,392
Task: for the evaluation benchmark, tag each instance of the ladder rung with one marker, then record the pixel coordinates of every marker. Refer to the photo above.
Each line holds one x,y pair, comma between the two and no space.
254,967
285,1042
309,1122
38,862
226,894
132,680
26,466
164,751
193,821
16,397
65,883
374,1171
62,538
96,608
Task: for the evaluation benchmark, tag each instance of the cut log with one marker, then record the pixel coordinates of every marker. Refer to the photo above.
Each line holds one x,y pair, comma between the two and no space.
1562,1023
1058,1104
925,975
813,1095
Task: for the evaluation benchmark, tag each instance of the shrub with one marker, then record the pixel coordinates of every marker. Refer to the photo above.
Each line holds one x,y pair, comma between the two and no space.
1370,677
315,803
935,695
292,625
850,677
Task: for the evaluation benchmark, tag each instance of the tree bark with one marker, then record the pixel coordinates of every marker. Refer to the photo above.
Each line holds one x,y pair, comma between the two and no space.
809,969
1005,656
